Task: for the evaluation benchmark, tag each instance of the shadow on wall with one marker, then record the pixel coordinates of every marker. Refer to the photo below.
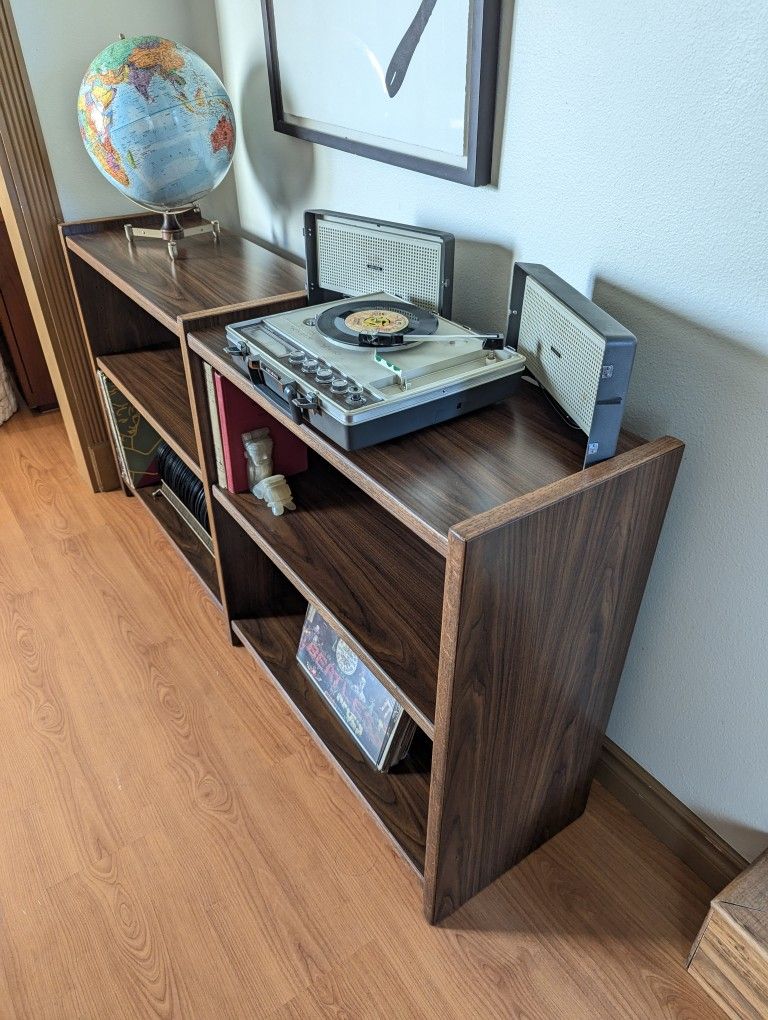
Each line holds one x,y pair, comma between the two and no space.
283,166
737,835
502,84
705,712
481,283
702,385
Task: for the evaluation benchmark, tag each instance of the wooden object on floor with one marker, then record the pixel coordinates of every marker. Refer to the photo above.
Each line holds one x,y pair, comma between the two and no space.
137,306
495,582
172,844
687,835
20,333
730,956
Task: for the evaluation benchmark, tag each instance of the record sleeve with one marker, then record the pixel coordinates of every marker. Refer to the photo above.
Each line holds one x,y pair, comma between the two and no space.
136,442
371,715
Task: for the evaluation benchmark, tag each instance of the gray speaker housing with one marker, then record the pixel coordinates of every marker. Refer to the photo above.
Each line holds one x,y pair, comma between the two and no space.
576,351
352,255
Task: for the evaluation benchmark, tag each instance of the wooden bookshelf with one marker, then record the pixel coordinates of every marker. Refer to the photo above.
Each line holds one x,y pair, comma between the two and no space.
206,279
484,535
337,550
155,383
494,582
137,306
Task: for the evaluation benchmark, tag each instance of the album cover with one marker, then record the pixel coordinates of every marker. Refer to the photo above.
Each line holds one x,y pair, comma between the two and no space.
378,723
136,442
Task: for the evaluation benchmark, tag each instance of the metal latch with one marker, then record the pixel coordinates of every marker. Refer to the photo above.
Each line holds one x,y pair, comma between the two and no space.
299,402
255,371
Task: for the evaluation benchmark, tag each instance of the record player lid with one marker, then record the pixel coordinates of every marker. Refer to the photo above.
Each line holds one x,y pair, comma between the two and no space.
348,256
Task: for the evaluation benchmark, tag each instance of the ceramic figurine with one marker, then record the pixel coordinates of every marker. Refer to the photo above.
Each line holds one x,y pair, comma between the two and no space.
273,489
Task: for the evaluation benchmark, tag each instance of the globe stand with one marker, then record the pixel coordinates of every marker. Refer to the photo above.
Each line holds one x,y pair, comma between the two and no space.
172,231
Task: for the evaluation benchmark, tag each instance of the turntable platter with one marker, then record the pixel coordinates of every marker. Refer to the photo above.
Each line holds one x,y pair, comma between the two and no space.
367,324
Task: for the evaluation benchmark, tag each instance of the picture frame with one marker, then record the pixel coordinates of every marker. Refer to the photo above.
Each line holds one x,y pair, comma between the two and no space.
406,83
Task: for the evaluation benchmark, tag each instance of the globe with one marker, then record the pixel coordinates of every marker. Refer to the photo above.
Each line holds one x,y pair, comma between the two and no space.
157,122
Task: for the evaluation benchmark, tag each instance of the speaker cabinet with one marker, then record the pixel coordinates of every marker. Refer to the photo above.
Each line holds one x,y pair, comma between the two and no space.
577,352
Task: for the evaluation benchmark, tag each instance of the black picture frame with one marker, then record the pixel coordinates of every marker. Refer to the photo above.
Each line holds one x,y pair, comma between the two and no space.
483,51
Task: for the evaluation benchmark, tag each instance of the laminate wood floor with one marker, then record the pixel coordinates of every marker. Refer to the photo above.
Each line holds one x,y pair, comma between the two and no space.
173,844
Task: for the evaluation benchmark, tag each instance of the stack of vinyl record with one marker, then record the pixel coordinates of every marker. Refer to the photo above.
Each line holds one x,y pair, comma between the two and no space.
183,482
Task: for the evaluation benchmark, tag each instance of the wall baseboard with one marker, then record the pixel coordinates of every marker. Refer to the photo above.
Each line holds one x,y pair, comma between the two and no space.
690,838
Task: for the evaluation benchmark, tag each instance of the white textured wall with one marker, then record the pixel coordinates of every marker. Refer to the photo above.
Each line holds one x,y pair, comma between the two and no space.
59,39
632,161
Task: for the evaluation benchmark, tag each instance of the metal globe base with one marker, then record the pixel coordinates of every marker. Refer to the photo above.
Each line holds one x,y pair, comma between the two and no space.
172,231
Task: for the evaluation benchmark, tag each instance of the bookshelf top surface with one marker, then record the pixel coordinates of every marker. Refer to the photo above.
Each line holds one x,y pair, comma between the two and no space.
440,476
206,275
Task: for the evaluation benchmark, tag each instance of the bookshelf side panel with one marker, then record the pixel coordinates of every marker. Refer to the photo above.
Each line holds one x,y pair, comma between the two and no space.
539,612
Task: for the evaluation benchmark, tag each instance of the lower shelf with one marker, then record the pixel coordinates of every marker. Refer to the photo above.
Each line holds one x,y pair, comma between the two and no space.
399,798
200,561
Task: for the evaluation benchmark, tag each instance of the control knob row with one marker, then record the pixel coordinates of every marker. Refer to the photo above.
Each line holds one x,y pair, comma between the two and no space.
340,385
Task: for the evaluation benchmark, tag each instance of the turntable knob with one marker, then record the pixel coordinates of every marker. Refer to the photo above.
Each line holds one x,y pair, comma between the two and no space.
296,357
324,374
355,394
309,365
339,384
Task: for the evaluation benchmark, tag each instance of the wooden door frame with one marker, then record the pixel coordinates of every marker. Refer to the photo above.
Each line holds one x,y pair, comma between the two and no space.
30,204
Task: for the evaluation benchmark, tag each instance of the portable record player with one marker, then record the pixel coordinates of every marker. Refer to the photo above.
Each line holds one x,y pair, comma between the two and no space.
364,369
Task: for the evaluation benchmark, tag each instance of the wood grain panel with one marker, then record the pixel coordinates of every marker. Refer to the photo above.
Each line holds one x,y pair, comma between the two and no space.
356,563
206,276
111,321
439,476
730,955
155,383
730,966
541,601
250,583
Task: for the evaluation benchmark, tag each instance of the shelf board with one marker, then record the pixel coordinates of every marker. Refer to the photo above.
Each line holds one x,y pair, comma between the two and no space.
155,383
436,478
200,561
400,798
206,276
353,560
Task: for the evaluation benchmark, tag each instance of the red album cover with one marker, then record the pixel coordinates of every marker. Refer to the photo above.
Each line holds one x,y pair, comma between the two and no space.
239,414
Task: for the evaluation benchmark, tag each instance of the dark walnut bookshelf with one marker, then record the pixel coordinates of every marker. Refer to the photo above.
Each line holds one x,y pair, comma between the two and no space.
493,582
137,307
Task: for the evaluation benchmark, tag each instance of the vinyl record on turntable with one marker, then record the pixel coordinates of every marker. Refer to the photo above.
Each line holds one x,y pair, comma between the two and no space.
367,324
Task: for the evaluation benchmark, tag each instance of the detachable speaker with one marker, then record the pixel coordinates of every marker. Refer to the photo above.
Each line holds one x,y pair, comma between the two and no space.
577,352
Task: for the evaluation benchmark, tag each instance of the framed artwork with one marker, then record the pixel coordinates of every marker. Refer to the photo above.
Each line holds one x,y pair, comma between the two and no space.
404,82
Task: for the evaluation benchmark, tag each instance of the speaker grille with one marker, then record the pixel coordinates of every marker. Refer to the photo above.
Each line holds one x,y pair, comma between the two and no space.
353,262
562,352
